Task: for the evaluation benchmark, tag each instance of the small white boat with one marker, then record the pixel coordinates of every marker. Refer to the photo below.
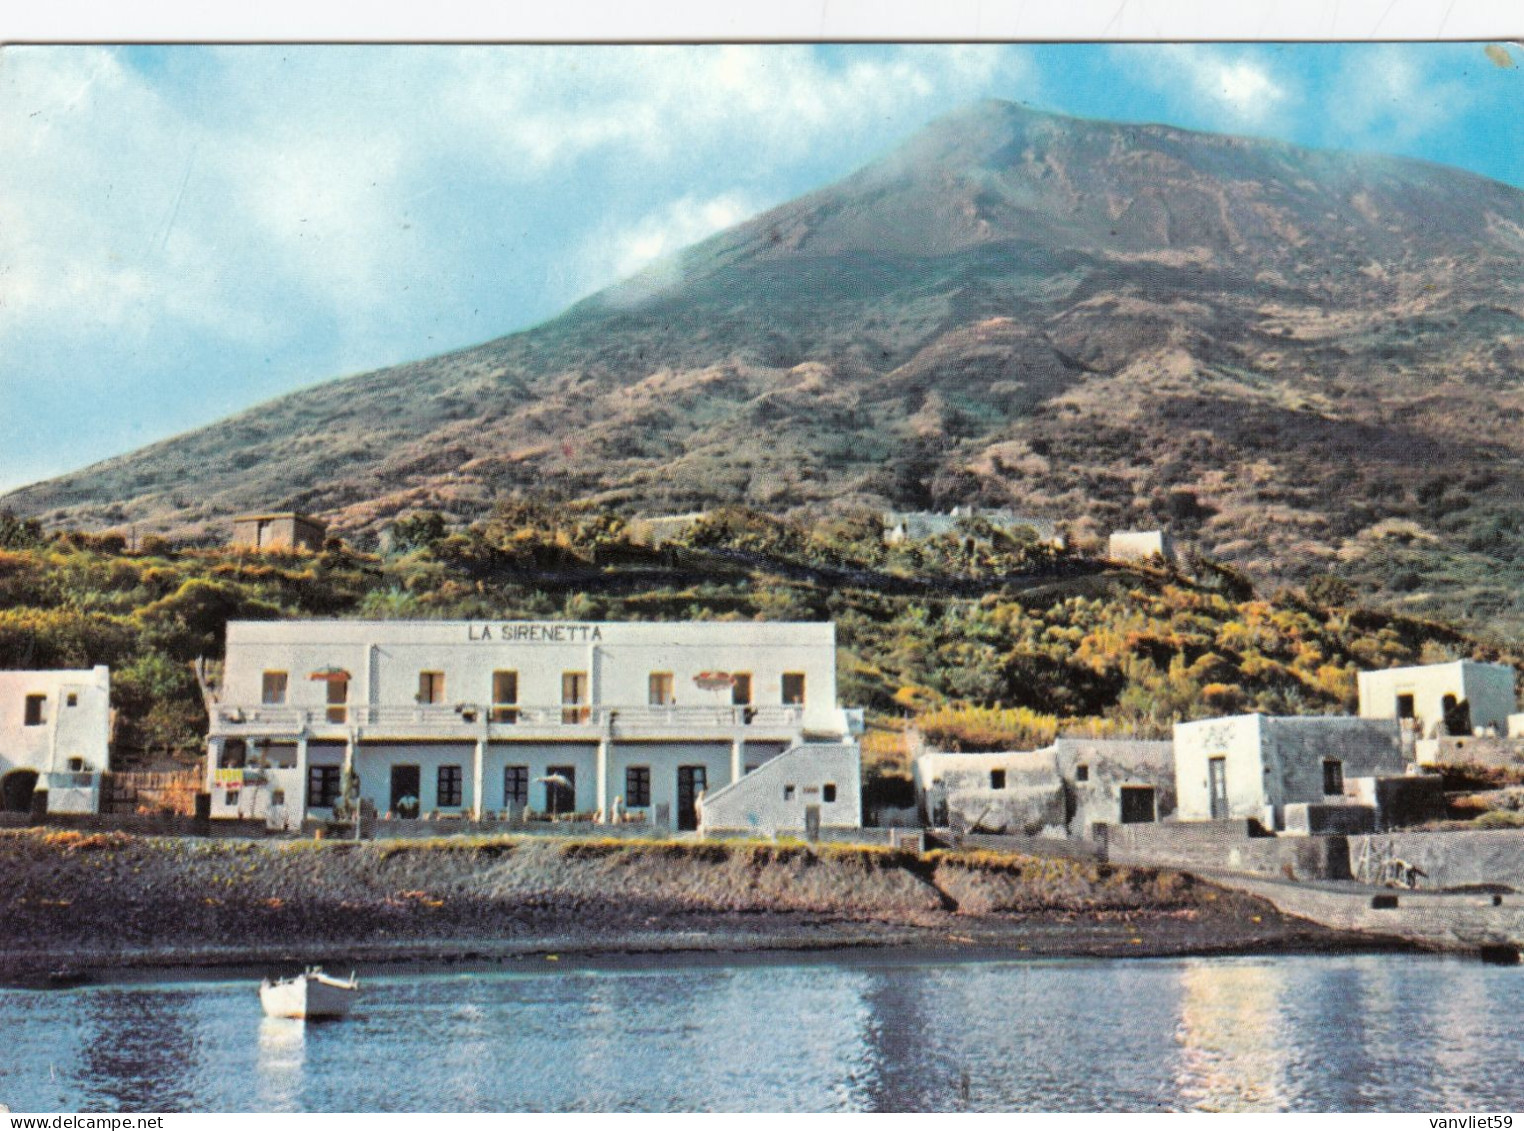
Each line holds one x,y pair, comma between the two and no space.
311,993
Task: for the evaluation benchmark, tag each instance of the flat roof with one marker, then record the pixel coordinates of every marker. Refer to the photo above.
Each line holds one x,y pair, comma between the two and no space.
546,631
280,514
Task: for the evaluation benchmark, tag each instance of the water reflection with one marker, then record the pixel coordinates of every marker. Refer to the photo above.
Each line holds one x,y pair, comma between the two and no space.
128,1038
1307,1033
1232,1038
279,1063
898,1068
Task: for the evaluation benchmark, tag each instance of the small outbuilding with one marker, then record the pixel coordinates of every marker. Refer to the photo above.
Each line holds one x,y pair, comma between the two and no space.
1067,789
55,735
1458,698
281,530
1257,765
1140,546
917,526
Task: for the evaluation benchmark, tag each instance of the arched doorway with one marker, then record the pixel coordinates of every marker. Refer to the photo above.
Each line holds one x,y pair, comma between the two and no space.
16,791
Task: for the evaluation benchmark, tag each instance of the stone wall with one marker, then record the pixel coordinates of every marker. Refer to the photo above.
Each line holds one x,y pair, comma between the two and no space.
141,825
1481,750
1228,846
1447,858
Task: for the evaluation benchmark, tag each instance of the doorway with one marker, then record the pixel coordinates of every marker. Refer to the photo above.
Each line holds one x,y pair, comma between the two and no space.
16,790
691,781
1217,787
405,786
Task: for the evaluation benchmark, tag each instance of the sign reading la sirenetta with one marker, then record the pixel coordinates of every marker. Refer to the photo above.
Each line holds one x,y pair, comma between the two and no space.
521,633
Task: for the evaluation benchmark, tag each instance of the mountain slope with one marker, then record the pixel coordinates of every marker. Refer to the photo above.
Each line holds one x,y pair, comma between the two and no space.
1307,362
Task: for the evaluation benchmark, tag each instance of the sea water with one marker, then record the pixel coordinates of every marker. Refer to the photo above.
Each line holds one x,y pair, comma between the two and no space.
847,1033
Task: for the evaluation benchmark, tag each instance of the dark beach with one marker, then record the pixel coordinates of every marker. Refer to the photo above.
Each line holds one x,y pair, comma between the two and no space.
109,906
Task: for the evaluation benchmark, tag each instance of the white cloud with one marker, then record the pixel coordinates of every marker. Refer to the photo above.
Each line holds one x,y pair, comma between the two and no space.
1386,95
532,107
1229,88
256,179
620,253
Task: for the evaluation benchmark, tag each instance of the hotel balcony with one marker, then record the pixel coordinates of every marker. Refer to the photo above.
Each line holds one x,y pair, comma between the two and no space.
469,721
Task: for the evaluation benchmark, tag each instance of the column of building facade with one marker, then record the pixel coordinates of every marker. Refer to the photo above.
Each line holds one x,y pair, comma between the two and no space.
478,762
301,771
215,747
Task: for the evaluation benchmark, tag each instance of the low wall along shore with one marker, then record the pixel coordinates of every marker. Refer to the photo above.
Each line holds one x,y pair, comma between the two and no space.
1229,845
1453,858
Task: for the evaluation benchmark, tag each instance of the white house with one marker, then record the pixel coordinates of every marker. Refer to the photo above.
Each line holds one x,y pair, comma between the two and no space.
1454,698
916,526
1140,546
1065,789
1256,765
808,787
55,734
479,718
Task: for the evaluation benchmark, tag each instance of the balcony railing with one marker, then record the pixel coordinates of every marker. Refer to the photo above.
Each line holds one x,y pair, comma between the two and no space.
499,718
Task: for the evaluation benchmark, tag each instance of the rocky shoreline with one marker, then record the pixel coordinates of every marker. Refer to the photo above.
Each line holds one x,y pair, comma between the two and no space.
102,905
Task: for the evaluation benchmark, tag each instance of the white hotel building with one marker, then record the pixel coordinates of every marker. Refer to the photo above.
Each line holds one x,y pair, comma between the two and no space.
489,719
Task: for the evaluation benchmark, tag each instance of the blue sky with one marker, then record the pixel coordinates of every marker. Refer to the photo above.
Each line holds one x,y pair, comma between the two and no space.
187,231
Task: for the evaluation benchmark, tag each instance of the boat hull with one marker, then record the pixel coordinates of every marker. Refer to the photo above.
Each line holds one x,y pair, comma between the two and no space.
308,996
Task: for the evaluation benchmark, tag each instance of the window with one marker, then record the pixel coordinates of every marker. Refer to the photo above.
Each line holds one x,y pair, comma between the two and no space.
72,700
36,710
1405,707
788,793
574,697
1137,804
637,787
449,787
661,689
1333,776
1082,772
431,687
793,689
505,700
828,792
323,786
338,695
561,789
740,689
516,785
272,689
997,779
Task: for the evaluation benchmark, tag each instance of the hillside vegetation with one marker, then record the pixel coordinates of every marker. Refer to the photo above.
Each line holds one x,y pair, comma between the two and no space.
1304,362
982,639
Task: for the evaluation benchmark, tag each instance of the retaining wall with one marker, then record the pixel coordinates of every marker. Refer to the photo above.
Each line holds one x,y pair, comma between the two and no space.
1448,858
138,825
1228,845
